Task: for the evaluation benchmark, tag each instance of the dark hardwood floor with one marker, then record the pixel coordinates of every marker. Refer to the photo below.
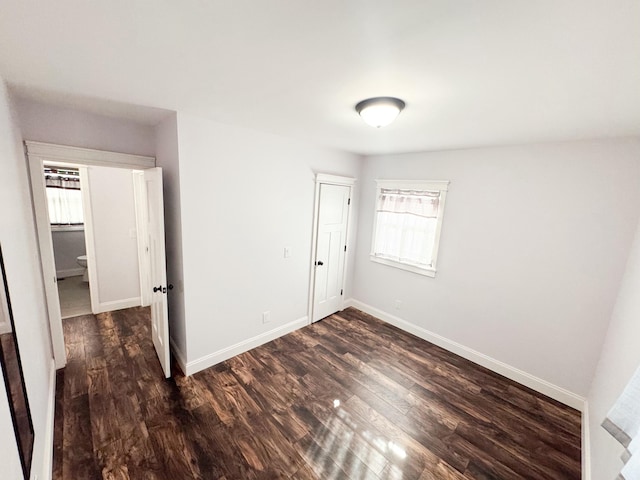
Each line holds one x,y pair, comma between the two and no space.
349,397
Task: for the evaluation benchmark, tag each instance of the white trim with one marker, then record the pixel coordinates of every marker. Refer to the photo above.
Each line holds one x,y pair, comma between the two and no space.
118,305
47,464
45,247
426,271
586,443
67,228
314,244
325,178
142,235
179,356
89,240
226,353
70,272
334,179
86,156
539,385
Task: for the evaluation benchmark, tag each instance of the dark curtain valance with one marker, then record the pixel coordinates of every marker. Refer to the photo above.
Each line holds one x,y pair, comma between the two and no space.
58,178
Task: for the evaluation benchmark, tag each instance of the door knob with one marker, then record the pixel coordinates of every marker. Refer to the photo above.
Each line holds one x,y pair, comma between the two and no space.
319,263
170,286
157,289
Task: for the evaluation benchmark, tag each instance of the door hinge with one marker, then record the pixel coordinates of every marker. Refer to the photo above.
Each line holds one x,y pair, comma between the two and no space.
345,248
349,202
340,291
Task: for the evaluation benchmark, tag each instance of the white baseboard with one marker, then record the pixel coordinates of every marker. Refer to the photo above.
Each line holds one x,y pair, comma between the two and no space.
241,347
539,385
47,463
70,272
118,305
179,356
586,443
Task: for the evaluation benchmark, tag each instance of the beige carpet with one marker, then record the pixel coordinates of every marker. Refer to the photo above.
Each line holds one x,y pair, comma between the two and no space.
74,297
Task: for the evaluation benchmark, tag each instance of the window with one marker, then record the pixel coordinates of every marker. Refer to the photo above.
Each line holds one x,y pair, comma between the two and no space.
64,197
407,223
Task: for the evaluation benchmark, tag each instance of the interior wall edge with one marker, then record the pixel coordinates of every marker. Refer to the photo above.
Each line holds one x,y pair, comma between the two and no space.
178,355
540,385
586,443
47,470
219,356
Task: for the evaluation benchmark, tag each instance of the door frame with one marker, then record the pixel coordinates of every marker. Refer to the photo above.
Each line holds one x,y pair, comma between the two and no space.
327,179
140,194
37,154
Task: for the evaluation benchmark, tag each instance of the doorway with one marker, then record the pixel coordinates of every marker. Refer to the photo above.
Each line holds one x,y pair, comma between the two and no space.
330,245
146,185
98,241
64,191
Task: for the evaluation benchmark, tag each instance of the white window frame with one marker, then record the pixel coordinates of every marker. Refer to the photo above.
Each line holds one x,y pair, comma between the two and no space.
67,228
441,186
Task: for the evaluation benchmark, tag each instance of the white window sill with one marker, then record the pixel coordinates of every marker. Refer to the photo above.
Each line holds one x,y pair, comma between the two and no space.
67,228
426,271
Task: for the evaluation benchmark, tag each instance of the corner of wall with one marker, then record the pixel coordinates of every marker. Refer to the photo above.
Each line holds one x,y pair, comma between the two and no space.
47,464
586,443
539,385
179,355
167,157
214,358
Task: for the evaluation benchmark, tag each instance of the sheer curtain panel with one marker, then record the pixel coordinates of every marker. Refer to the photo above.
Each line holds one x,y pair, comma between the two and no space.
64,197
406,222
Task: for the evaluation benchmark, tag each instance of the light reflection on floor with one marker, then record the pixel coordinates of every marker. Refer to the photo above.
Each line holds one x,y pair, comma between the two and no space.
342,447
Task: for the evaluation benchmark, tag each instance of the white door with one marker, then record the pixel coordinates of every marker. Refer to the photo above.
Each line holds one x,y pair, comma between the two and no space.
45,242
331,244
155,230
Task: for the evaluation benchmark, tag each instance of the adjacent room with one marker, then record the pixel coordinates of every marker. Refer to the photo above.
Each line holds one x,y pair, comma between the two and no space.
334,240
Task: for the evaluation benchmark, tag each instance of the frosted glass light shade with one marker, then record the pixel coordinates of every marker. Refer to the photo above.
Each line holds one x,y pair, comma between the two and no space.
379,111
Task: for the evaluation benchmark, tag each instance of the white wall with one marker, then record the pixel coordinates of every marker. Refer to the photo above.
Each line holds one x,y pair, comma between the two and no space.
167,158
43,122
67,246
245,196
619,359
113,216
533,248
18,238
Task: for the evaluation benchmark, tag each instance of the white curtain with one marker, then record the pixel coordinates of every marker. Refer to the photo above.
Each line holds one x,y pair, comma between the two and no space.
406,223
65,200
623,423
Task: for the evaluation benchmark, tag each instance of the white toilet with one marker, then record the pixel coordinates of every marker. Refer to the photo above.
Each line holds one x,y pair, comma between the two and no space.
82,261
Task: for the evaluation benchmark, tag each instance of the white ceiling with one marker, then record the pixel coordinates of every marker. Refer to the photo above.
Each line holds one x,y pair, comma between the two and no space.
472,72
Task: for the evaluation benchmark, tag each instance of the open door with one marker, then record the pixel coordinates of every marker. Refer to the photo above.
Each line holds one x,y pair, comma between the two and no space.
155,232
45,242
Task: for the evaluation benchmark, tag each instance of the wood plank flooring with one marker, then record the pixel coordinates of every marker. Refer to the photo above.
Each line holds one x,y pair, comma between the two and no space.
349,397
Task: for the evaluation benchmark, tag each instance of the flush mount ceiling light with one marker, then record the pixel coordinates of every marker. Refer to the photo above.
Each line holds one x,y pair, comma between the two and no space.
379,111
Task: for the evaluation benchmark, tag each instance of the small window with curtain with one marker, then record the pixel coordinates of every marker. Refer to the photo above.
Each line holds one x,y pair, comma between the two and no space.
407,224
64,197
